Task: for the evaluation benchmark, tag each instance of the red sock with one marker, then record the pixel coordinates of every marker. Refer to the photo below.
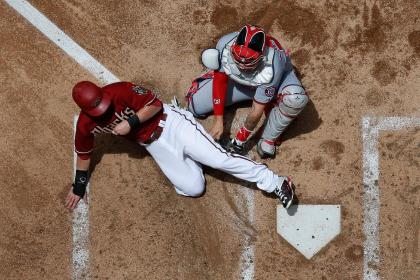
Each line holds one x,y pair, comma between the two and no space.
243,134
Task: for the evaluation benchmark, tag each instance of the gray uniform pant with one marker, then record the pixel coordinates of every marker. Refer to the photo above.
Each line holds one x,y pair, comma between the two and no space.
291,99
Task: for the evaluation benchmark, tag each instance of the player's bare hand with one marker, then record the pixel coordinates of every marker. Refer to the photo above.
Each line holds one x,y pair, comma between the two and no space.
72,200
123,128
217,130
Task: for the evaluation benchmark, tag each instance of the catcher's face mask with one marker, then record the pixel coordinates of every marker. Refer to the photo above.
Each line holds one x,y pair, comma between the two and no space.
248,48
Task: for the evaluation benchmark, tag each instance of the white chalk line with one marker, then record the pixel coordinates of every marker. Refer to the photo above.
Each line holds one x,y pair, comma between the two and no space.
64,42
80,226
371,126
80,230
247,269
246,261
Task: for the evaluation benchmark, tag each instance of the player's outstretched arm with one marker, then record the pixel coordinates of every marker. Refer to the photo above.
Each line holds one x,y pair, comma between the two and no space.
78,189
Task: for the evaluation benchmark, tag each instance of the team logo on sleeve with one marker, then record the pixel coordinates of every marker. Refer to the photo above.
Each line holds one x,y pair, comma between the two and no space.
270,91
139,90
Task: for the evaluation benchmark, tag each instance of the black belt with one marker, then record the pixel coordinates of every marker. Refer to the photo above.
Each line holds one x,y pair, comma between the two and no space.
158,130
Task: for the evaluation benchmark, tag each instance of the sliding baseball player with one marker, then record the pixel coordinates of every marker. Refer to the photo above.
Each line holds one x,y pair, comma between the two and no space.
178,144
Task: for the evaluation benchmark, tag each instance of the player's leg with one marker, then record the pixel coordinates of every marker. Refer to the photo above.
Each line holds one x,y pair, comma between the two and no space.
201,147
291,100
185,174
185,138
200,96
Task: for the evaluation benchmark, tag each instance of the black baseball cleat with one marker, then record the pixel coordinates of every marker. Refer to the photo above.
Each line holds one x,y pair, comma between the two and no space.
236,147
285,192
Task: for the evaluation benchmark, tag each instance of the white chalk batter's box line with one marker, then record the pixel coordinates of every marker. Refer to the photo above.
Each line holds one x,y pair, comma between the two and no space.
371,128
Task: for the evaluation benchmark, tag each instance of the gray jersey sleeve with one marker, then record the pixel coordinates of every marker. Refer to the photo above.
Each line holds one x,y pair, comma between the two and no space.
222,43
267,92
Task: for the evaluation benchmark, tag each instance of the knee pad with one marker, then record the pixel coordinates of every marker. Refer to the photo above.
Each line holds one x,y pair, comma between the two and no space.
292,100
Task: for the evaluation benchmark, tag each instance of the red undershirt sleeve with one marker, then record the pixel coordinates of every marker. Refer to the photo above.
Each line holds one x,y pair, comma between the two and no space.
83,141
220,82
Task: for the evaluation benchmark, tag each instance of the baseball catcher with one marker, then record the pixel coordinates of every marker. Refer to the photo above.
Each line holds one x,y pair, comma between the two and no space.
249,65
177,143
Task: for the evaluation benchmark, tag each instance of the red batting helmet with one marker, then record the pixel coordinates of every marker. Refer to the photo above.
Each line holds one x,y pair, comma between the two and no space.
90,98
249,46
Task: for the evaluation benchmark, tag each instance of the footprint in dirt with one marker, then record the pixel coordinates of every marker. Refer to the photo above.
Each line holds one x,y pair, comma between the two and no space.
333,148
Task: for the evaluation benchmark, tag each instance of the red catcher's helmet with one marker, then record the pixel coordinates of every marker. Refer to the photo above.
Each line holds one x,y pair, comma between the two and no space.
90,98
249,46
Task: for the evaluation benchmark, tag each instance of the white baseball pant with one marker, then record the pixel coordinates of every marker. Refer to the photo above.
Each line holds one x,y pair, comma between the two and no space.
184,145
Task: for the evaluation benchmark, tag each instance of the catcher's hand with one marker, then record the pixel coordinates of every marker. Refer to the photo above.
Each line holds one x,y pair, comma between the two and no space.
217,130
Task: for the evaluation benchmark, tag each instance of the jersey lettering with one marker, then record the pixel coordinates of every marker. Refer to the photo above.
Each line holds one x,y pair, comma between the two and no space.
128,112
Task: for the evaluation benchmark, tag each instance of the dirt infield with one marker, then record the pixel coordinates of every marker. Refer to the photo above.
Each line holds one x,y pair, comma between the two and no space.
355,58
400,219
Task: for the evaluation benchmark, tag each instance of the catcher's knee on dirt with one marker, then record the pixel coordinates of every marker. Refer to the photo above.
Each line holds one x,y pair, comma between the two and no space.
291,101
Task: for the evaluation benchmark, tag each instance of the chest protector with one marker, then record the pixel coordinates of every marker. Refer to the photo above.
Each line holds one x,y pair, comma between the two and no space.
262,75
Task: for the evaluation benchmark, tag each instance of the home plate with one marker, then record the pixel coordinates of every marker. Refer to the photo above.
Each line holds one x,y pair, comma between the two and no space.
309,228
